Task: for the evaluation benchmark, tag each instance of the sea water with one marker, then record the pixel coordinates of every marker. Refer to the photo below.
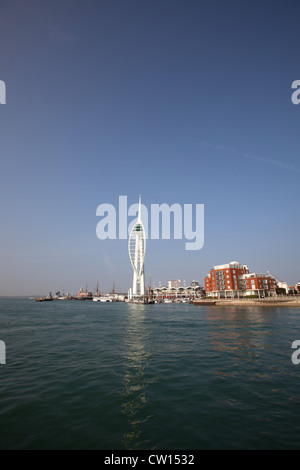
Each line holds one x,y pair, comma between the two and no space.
86,375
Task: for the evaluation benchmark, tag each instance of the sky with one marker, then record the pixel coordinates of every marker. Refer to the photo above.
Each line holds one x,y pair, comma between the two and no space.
185,102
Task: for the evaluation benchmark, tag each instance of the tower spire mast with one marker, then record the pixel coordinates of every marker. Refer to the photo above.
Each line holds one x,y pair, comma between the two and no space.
140,209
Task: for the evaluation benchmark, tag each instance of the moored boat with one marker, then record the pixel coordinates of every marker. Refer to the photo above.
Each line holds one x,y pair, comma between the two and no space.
49,298
103,299
204,302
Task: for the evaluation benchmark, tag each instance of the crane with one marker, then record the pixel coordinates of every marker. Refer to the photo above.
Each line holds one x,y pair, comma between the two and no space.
274,277
281,284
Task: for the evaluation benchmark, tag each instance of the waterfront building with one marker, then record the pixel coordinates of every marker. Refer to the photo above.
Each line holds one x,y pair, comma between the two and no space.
137,253
225,279
174,284
195,284
283,286
234,280
258,284
178,294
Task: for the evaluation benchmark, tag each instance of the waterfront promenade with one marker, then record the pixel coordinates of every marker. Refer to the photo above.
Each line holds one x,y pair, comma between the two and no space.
268,302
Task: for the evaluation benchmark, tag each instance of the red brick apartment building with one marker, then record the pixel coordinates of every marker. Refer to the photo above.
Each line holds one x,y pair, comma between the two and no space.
235,280
259,283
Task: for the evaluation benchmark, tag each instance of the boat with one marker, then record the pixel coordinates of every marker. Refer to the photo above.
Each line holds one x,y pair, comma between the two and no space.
104,299
204,303
49,298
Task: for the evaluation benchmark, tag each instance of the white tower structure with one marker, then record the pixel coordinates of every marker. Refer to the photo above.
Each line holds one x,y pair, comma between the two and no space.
137,253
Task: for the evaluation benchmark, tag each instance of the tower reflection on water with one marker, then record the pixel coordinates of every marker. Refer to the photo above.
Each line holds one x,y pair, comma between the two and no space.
136,379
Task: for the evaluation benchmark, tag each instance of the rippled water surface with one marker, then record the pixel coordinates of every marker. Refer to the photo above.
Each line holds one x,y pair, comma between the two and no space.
83,375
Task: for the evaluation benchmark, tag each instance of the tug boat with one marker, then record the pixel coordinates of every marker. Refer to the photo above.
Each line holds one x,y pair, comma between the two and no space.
45,299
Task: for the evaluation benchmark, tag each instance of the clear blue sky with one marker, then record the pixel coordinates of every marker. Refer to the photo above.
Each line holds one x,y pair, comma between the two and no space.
182,101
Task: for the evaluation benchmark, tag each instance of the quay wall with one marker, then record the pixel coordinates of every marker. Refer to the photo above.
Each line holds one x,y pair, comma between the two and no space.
269,302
